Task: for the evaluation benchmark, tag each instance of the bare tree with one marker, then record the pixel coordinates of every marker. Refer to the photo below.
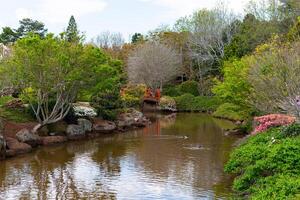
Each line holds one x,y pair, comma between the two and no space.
265,9
4,51
275,78
153,64
210,31
108,39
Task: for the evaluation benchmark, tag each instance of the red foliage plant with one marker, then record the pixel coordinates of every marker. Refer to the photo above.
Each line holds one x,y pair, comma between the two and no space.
273,120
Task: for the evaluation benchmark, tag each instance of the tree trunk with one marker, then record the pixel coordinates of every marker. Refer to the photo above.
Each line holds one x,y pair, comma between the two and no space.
36,128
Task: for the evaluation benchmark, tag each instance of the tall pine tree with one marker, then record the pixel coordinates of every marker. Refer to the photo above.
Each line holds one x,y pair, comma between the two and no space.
72,33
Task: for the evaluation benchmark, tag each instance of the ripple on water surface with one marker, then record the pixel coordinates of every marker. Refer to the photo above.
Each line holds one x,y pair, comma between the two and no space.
182,158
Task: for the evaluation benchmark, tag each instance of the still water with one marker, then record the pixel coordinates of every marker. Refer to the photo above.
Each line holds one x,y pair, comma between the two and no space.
174,158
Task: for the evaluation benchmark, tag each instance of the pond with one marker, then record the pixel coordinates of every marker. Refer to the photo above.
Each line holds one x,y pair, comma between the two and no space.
177,157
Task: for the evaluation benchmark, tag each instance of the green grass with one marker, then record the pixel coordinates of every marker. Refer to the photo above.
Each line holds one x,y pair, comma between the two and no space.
267,166
15,115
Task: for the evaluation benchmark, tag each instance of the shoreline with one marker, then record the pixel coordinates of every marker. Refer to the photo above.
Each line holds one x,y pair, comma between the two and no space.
20,148
17,139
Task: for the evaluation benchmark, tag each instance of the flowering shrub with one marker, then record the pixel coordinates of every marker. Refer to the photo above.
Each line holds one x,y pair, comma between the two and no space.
272,120
167,104
84,110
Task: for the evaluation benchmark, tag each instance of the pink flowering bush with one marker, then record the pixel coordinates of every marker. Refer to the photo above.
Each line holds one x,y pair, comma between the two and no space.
273,120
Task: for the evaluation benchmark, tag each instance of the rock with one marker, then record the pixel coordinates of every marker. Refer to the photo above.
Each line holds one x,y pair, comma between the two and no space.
85,124
103,126
8,90
84,109
131,118
235,131
14,147
15,104
25,136
2,141
50,140
75,132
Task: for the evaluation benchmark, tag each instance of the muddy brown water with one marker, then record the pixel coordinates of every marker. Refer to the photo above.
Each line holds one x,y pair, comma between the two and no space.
174,158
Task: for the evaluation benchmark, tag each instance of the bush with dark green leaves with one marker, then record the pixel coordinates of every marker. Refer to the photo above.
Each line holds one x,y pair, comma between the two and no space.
267,166
292,130
187,87
189,102
171,91
190,87
108,104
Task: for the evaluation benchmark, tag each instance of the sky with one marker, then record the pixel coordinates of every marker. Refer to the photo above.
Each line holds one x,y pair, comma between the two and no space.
96,16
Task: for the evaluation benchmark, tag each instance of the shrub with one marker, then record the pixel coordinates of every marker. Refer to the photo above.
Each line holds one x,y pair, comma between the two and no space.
185,102
171,91
189,102
5,99
187,87
267,166
131,95
291,130
272,120
231,111
277,187
107,104
167,103
190,87
206,103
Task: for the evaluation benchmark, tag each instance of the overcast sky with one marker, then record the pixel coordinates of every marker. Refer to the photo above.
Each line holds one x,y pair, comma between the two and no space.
95,16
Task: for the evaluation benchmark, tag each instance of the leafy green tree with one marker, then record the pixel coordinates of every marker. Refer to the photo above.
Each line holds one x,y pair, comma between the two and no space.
72,33
31,26
8,35
251,33
137,37
48,71
235,87
107,73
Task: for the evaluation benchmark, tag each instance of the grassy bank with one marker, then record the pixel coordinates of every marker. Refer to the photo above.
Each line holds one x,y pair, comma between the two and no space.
267,165
19,115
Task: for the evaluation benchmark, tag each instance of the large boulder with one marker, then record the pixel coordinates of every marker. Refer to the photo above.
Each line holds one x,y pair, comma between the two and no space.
26,136
75,132
2,141
51,140
103,126
14,147
131,118
85,124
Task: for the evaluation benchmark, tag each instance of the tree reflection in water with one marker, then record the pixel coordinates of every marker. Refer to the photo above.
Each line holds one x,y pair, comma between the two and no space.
154,163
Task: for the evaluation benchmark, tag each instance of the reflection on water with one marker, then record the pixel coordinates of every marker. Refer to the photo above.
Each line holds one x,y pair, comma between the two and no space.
174,158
